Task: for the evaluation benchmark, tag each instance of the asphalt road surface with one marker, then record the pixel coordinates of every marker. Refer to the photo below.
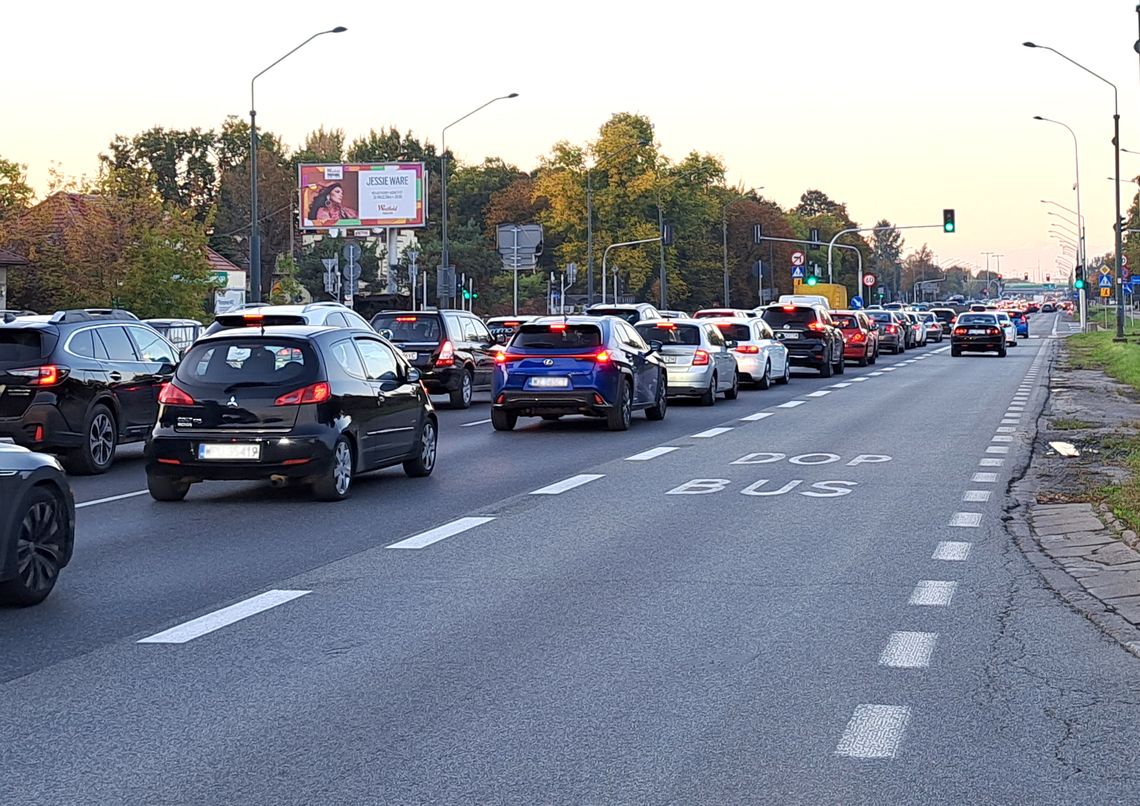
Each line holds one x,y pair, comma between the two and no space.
802,596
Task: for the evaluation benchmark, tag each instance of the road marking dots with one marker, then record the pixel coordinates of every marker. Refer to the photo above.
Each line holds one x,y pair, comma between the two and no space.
560,487
476,422
760,415
1006,429
991,462
711,432
969,520
908,650
791,404
109,499
976,496
933,593
820,393
1002,438
440,533
952,551
874,731
210,622
1011,420
997,449
984,477
652,453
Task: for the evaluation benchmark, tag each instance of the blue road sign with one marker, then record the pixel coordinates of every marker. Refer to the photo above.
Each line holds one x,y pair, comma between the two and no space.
856,302
1104,281
797,272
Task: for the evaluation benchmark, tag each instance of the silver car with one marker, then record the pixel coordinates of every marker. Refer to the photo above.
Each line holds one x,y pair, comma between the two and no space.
1009,327
698,359
931,327
760,357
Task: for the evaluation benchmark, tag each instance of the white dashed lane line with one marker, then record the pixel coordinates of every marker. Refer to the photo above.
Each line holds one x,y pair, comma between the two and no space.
652,453
908,650
560,487
858,380
874,374
840,385
440,533
976,496
933,593
109,499
820,393
991,462
791,404
1006,429
211,622
1001,438
760,415
952,551
997,449
874,731
711,432
984,478
968,520
476,422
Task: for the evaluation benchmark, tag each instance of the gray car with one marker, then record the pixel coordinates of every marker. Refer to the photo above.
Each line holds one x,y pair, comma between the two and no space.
698,359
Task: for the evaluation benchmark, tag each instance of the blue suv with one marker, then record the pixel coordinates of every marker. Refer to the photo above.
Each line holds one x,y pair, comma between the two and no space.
598,366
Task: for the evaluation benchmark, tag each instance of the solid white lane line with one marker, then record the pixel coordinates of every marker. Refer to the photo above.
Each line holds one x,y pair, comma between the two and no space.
908,650
840,385
210,622
820,393
1006,429
1001,438
984,477
874,731
760,415
791,404
110,498
991,462
952,551
711,432
969,520
567,484
652,453
933,593
440,533
476,422
976,496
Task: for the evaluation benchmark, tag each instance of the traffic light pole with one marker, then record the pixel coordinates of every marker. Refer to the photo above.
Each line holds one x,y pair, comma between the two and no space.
854,249
832,243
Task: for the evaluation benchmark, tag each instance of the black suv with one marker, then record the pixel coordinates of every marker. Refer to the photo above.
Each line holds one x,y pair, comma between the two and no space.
296,403
453,350
810,335
79,383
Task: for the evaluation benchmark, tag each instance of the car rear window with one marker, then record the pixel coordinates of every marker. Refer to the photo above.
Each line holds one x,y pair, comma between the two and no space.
18,346
881,316
735,332
784,316
229,321
248,362
557,337
408,326
976,319
630,315
670,333
845,322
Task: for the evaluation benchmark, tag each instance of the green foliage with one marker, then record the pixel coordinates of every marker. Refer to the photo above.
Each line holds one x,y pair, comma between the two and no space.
164,268
15,193
286,288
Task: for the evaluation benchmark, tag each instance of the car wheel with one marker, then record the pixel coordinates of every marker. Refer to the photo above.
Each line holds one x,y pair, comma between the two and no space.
164,488
1002,352
787,376
866,359
619,416
98,451
461,397
336,482
733,392
423,462
955,351
765,381
874,356
709,396
503,420
661,404
43,531
841,364
826,369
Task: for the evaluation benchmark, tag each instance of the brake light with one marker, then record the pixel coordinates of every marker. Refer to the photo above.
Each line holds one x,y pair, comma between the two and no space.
406,318
446,355
558,327
789,307
500,357
171,395
816,326
749,349
313,393
994,331
700,358
511,324
858,336
48,375
665,326
959,331
253,317
602,357
890,328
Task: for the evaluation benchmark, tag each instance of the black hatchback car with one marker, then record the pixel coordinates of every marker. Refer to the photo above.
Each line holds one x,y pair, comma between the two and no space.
453,350
37,525
809,334
306,404
79,383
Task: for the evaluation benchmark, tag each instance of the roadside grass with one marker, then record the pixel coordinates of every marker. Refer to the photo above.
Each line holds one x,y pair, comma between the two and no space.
1070,424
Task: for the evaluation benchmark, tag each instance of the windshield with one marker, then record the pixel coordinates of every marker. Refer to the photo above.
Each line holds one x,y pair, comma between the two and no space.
631,315
408,327
669,333
977,319
248,362
557,337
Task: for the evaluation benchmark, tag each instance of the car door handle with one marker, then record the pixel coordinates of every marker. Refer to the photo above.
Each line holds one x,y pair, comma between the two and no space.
115,376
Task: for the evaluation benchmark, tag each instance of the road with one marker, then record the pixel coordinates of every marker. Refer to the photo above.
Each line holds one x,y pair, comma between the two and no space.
805,595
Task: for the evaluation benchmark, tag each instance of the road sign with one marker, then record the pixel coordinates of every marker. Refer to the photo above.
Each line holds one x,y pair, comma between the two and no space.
571,273
445,281
1105,270
868,280
351,251
799,259
1105,292
1124,260
797,272
352,272
856,302
1104,281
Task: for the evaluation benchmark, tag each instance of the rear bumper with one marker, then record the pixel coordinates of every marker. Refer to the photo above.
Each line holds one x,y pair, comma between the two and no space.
438,380
176,456
807,355
978,344
55,431
684,381
528,403
856,351
749,367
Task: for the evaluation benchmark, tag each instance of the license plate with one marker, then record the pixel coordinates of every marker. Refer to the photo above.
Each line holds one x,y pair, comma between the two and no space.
549,383
249,451
977,332
669,359
789,335
411,356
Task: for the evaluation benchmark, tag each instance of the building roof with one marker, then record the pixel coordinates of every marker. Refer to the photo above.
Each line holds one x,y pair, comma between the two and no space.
219,263
11,259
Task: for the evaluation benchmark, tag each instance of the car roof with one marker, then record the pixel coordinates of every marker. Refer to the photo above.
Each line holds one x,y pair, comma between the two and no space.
289,331
173,321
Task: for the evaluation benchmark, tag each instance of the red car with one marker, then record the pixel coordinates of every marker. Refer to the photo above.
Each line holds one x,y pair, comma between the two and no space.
860,336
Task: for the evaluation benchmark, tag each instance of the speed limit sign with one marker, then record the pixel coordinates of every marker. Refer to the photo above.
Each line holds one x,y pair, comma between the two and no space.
868,280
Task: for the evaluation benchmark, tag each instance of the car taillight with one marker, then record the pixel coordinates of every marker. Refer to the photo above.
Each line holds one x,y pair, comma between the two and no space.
994,331
890,328
500,357
48,375
313,393
602,357
700,358
818,327
959,331
858,336
171,395
446,355
748,349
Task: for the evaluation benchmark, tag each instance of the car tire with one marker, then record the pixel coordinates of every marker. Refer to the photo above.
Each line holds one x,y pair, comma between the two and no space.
709,396
43,531
765,381
841,364
661,404
955,351
335,483
1002,352
101,437
785,378
865,360
165,488
826,369
461,397
874,356
619,416
733,391
503,420
423,462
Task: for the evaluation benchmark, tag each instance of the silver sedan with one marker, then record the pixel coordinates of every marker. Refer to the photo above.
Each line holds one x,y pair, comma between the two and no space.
698,359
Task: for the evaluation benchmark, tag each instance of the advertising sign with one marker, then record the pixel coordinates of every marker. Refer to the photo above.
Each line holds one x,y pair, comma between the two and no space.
382,194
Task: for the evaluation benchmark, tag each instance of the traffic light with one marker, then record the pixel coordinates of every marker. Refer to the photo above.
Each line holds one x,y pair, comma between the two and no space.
666,233
1048,279
947,220
812,279
469,294
1079,278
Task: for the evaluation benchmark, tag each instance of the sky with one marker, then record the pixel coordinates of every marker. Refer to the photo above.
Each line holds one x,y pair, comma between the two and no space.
898,108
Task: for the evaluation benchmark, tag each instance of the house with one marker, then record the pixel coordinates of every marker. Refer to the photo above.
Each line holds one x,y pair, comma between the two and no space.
7,260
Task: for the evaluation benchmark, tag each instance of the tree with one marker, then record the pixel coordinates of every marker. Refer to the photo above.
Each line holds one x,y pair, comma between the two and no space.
180,163
816,202
321,146
15,193
917,267
886,252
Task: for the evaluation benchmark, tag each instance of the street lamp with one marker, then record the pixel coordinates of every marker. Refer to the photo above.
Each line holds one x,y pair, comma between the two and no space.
724,234
1117,225
640,142
254,231
1080,219
445,261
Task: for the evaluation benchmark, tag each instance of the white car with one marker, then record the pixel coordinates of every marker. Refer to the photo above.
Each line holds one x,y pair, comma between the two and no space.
1009,327
760,357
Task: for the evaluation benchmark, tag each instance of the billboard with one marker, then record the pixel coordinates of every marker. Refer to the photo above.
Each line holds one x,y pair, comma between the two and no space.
378,194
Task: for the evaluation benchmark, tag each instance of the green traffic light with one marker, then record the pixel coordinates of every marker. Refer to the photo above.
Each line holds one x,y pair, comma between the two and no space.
1078,284
948,227
812,280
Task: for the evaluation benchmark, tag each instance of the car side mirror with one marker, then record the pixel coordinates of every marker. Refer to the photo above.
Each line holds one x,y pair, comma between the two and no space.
166,368
655,346
385,333
413,375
